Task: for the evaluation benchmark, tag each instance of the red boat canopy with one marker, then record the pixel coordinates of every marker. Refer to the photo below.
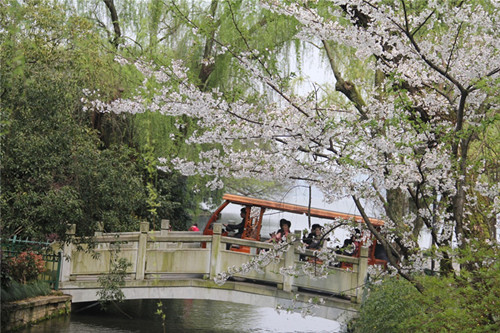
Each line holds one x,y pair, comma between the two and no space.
297,209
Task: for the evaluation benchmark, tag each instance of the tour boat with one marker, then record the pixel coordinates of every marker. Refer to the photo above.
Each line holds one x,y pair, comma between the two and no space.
257,207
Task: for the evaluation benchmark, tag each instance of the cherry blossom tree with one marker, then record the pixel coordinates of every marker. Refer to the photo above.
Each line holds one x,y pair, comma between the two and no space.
416,135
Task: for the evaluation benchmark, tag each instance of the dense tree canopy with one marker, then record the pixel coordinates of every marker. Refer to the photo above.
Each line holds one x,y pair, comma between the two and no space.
415,134
60,164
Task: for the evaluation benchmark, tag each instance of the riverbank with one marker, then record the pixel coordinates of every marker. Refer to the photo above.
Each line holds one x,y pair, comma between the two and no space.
26,312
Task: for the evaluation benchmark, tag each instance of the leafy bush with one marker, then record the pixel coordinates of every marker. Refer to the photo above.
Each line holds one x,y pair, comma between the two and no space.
466,302
388,306
6,279
26,266
60,164
469,302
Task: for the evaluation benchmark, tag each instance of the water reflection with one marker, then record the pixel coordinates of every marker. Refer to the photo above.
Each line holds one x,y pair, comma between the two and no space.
183,316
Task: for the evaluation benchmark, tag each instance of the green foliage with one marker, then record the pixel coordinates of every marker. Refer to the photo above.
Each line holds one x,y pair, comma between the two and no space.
56,170
468,302
53,171
178,196
176,200
25,266
387,307
150,163
17,291
160,313
111,282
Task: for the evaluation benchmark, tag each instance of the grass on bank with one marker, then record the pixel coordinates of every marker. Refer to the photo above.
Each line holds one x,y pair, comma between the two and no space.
17,291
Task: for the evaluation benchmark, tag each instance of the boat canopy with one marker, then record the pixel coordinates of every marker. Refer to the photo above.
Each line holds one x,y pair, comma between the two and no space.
297,209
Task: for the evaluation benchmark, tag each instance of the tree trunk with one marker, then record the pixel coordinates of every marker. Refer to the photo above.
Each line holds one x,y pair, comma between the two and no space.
207,67
114,19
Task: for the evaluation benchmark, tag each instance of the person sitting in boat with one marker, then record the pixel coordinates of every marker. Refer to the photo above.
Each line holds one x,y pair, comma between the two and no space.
282,233
351,245
380,252
241,226
313,240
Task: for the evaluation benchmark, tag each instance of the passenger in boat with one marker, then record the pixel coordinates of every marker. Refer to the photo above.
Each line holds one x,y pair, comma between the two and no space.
241,226
351,244
380,252
194,227
313,240
282,233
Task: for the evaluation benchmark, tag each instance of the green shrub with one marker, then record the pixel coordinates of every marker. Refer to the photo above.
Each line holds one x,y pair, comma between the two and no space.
468,302
26,266
389,305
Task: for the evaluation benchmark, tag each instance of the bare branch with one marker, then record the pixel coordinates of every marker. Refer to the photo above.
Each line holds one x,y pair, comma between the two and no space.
453,47
423,23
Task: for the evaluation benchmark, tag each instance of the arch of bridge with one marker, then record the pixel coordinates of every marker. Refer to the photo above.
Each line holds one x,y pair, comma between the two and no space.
333,308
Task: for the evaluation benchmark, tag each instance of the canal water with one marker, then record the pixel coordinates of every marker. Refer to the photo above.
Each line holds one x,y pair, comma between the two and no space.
182,316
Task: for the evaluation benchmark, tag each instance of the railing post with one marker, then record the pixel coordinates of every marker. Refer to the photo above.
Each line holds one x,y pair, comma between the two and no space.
141,251
165,227
58,270
289,262
362,272
215,250
67,251
99,229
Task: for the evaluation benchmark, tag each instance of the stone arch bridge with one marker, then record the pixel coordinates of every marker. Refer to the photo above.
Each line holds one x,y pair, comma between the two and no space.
169,265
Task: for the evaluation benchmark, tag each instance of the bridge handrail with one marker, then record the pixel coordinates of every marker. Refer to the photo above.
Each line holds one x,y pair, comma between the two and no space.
263,245
339,257
172,237
246,242
114,237
179,238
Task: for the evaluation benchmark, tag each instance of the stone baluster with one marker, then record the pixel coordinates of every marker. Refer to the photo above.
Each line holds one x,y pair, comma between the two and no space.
165,227
67,253
100,229
215,250
289,262
362,273
141,251
164,231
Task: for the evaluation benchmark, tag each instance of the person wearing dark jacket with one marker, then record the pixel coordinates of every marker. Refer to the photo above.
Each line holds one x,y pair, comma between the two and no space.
313,240
241,226
351,245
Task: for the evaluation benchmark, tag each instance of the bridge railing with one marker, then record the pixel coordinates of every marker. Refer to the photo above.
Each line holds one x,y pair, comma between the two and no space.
176,255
